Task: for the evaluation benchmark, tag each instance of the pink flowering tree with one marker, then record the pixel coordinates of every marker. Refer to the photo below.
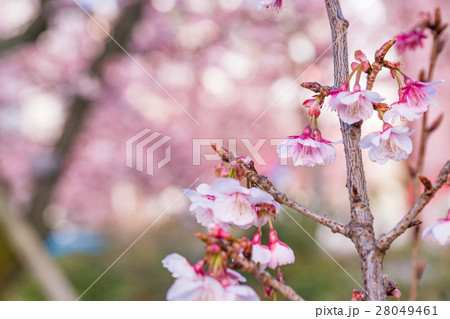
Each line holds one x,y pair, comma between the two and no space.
242,198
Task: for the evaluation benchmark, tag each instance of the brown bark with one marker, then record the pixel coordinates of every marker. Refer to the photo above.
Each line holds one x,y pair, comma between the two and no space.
361,224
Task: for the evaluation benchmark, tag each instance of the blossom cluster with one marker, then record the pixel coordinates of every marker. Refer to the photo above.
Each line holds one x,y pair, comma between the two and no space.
217,282
391,142
222,205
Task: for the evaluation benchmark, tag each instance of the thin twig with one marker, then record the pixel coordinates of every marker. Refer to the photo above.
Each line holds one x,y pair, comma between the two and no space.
386,240
265,184
417,267
265,277
241,260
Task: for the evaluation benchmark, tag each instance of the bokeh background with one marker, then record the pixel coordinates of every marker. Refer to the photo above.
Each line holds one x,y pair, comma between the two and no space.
70,98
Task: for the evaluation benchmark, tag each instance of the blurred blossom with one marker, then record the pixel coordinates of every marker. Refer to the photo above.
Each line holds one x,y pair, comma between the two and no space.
15,14
194,35
98,29
163,5
230,4
42,116
284,92
237,65
216,81
177,74
201,6
301,49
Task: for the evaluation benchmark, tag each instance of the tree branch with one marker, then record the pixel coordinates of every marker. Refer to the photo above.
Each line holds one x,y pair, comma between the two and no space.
266,185
262,275
361,225
241,259
386,240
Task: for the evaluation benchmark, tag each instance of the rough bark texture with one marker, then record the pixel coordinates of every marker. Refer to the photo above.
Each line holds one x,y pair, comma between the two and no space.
361,224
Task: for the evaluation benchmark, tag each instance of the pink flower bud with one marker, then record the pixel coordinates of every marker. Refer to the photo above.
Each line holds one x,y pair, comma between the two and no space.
397,294
213,248
361,57
281,253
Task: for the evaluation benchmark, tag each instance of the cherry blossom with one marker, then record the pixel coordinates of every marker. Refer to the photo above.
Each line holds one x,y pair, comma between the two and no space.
401,110
260,253
410,40
269,4
226,203
334,93
307,150
281,253
355,106
392,142
202,204
418,94
192,283
414,99
235,205
362,58
439,231
314,107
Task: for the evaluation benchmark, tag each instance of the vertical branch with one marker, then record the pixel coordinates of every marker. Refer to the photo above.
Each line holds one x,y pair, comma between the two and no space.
418,267
361,224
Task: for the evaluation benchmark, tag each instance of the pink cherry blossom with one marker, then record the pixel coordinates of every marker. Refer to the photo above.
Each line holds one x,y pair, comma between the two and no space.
307,150
410,41
401,110
362,58
392,142
355,106
281,253
269,4
439,231
193,284
235,205
190,284
334,93
418,94
260,253
313,106
202,204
